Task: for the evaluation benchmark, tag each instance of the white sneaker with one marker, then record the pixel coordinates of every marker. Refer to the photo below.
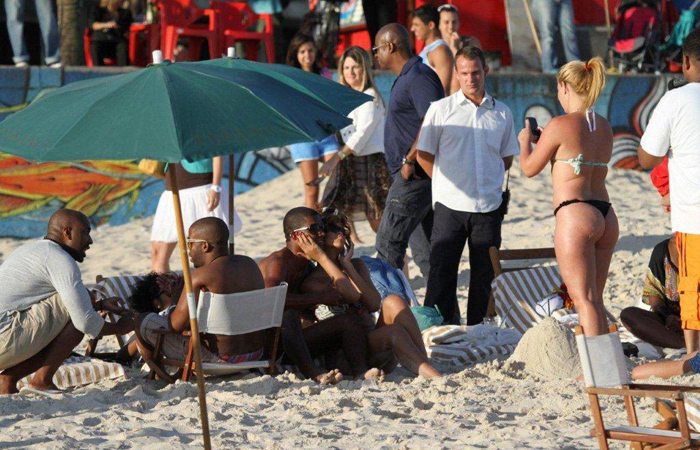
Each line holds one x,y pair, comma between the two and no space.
56,65
22,64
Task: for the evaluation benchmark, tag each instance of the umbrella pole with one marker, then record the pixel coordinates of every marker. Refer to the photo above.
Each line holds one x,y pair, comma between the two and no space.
231,193
192,311
533,29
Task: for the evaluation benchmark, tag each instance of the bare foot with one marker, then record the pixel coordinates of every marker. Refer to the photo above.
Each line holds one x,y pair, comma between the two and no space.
332,377
374,374
428,371
7,386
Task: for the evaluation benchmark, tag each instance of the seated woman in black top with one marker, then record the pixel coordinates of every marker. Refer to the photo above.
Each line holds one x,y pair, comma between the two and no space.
110,21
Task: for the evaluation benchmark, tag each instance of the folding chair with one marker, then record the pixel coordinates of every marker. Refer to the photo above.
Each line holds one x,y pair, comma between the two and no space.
605,373
122,287
230,315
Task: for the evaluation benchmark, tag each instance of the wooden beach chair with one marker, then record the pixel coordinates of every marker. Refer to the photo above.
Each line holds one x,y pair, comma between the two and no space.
230,315
119,286
605,373
516,290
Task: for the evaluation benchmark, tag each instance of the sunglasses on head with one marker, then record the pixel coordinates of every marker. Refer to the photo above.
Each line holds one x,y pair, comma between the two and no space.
446,7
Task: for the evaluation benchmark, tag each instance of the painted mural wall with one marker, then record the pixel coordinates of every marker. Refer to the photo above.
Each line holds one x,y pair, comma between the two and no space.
114,192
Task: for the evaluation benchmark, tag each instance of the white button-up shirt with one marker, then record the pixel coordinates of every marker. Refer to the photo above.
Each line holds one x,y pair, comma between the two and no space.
366,134
469,143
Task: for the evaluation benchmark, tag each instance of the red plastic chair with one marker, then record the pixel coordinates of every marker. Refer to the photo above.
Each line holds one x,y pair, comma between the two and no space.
183,18
234,21
144,38
87,39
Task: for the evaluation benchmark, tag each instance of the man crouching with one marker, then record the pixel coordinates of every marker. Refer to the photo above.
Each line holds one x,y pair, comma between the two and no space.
44,307
216,272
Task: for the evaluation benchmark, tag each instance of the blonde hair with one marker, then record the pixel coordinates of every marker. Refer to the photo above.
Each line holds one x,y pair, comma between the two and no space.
587,79
360,56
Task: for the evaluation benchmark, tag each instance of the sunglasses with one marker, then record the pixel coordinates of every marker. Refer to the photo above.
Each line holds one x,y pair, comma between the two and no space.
192,241
374,49
313,228
446,7
333,228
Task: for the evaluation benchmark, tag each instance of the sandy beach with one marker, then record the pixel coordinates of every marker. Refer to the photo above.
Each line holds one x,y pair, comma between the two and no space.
493,405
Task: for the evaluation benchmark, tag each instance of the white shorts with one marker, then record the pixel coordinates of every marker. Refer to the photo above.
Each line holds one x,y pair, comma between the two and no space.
193,202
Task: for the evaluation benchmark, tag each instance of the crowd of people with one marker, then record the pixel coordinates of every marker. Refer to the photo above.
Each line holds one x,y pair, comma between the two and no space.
426,169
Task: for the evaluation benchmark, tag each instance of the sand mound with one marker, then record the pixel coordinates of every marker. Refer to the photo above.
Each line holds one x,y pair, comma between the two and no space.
548,350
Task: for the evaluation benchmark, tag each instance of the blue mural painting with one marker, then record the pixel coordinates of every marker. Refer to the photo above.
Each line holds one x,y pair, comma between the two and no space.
115,192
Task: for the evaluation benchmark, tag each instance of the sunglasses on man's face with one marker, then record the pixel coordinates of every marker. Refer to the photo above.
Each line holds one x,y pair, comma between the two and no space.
314,228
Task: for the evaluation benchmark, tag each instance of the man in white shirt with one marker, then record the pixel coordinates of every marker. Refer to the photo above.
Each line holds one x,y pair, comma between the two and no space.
467,142
674,130
44,307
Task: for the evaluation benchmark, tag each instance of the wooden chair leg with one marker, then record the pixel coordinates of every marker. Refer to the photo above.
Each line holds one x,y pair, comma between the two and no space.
155,363
598,420
189,362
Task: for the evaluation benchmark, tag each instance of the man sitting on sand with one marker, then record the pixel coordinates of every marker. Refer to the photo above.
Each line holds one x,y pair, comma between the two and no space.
215,271
44,307
292,265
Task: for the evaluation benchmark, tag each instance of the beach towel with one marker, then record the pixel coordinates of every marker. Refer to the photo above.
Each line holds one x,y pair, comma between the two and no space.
81,370
459,346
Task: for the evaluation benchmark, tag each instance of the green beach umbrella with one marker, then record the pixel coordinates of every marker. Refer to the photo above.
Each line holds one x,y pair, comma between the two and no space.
170,112
318,87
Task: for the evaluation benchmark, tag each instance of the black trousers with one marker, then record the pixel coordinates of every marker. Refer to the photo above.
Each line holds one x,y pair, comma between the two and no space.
99,50
451,230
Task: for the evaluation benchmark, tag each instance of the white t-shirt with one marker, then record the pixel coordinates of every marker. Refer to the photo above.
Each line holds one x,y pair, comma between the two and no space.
469,144
35,272
366,134
674,129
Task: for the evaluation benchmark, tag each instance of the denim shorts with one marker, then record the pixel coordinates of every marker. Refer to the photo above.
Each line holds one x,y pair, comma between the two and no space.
695,363
385,279
308,151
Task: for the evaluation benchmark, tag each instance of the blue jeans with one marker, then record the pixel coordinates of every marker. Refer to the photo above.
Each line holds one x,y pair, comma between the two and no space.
407,220
47,23
550,14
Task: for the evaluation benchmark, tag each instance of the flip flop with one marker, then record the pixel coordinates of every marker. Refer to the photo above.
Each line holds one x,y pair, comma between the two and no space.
51,393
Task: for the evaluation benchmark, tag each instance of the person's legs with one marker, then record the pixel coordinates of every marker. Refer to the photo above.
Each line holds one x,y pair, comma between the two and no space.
49,31
484,233
578,227
14,9
45,363
309,172
664,369
649,327
96,53
449,237
160,256
546,13
568,31
420,243
395,310
407,204
604,249
395,338
122,53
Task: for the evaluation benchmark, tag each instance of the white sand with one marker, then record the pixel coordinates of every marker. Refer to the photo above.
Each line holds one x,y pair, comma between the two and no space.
493,405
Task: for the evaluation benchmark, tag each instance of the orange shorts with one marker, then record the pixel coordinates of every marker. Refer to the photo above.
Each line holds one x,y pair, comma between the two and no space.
689,279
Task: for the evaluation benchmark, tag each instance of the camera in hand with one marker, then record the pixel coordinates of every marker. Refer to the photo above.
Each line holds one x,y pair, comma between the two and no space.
533,126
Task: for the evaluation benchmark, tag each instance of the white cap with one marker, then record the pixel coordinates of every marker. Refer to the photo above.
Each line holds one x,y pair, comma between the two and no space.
157,57
231,52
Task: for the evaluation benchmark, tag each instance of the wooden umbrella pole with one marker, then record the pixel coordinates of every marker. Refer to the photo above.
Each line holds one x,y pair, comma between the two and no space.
533,30
231,193
609,27
192,311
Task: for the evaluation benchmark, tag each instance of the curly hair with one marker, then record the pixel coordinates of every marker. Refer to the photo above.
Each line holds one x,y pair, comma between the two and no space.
144,294
332,216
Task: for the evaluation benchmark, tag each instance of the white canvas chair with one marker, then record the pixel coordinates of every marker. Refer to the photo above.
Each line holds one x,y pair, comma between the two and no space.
605,373
230,315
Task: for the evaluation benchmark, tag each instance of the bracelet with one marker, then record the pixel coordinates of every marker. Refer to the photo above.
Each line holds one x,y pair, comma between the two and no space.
216,188
342,155
405,160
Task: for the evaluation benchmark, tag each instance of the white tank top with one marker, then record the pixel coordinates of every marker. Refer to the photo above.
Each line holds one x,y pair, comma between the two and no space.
429,48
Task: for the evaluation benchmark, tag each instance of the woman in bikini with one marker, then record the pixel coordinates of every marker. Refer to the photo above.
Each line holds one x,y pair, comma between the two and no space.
579,146
395,335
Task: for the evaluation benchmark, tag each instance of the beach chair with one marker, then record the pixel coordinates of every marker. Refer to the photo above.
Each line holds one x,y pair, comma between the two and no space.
516,290
122,287
230,315
605,374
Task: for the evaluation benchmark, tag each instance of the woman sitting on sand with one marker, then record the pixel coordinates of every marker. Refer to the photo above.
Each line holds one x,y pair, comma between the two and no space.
579,146
396,332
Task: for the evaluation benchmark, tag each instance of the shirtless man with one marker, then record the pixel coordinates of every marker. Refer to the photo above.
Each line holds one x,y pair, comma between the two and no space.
304,233
218,272
436,54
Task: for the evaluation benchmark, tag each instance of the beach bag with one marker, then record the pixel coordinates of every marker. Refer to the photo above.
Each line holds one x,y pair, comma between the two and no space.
154,168
427,317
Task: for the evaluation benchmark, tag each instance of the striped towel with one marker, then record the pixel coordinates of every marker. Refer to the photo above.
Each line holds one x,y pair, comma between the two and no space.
692,409
80,370
516,294
457,346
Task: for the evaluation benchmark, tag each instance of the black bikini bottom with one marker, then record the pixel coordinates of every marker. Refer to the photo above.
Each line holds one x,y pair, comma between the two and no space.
600,205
